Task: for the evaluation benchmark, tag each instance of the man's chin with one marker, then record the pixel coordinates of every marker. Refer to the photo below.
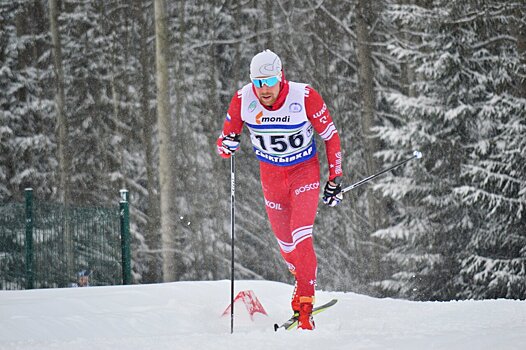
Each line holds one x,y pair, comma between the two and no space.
267,101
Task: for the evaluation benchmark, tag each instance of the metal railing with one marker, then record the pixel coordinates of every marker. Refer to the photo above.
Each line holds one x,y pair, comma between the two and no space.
46,245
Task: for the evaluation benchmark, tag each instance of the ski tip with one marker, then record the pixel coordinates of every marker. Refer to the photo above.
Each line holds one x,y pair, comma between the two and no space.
331,302
276,327
417,154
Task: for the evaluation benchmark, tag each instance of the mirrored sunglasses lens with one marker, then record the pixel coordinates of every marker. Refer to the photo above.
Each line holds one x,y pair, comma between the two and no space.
270,82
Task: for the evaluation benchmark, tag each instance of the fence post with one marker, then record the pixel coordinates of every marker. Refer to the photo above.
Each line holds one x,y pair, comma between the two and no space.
28,193
124,211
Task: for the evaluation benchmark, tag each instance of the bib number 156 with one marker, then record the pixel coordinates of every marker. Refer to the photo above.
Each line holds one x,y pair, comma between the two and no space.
281,143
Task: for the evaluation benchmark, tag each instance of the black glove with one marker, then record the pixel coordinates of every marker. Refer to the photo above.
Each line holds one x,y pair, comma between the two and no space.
332,193
230,143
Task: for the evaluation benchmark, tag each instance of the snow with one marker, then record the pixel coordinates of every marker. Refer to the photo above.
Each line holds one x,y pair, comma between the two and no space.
187,315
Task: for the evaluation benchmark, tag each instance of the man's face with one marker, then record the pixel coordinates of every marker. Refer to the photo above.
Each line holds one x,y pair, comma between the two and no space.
267,95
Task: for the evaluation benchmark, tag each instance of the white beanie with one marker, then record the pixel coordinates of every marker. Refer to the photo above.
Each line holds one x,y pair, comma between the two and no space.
265,64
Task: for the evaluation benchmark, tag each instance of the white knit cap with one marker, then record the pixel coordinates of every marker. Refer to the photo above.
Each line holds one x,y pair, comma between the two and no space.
265,64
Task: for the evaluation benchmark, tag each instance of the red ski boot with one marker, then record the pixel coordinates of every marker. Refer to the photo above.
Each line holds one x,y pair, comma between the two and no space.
295,303
305,319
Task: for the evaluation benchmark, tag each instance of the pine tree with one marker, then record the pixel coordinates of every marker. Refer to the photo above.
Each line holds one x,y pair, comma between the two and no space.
458,56
87,61
494,264
432,225
27,139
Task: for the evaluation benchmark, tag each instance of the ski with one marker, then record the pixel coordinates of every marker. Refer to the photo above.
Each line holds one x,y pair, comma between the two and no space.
293,321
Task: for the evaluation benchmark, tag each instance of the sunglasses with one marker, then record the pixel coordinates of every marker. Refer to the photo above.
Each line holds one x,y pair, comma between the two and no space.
270,82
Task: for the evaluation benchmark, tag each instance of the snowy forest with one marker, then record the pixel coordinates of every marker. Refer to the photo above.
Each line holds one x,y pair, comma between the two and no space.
102,95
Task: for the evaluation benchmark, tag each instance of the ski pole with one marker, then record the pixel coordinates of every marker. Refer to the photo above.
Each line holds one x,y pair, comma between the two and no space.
416,154
232,235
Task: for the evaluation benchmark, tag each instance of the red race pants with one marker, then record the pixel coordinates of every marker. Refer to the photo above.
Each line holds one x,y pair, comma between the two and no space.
291,200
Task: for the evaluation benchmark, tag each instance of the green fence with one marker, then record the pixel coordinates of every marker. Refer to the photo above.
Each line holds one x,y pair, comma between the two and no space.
45,245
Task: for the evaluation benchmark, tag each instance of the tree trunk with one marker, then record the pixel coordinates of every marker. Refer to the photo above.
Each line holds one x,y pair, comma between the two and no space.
60,103
368,103
166,154
269,43
407,72
376,208
521,49
152,227
63,157
183,128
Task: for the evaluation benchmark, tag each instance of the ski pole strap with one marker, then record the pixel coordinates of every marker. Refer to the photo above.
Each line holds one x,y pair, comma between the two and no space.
416,154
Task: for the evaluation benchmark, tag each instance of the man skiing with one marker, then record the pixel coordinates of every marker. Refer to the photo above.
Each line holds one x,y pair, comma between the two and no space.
281,116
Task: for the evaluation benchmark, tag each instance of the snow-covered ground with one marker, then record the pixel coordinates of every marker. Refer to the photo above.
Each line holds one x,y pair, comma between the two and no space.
187,315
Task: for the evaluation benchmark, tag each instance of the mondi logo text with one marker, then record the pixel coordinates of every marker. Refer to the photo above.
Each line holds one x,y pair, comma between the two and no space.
260,119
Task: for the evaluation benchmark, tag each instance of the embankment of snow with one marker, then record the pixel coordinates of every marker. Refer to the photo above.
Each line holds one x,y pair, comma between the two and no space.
187,315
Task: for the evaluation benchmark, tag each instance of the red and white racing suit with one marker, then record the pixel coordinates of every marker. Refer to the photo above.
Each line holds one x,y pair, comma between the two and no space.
283,141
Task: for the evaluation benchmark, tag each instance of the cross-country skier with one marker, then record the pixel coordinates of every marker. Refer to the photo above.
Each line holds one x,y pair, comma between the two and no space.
281,116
